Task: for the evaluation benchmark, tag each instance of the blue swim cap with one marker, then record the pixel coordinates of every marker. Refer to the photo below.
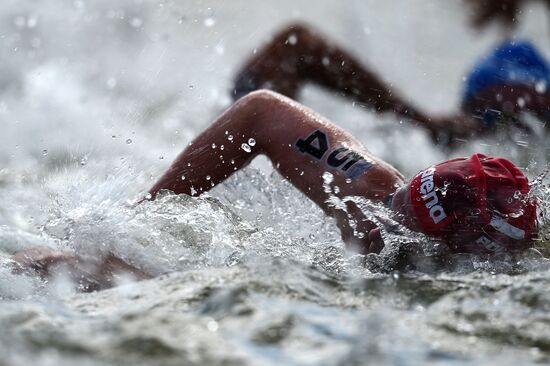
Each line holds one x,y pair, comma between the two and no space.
511,63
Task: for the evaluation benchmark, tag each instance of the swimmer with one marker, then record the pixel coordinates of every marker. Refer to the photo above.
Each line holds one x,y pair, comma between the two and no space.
477,204
502,86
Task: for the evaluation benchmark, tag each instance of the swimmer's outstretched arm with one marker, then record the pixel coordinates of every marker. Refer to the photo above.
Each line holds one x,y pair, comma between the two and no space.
90,274
302,146
298,55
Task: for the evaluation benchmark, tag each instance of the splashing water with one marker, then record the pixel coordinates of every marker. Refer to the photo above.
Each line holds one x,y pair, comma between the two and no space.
540,191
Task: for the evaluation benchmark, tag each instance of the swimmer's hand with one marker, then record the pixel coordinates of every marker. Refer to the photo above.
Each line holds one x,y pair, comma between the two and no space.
42,260
91,274
376,243
370,243
451,130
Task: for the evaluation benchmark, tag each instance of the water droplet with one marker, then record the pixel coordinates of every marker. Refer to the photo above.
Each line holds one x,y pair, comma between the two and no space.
212,326
540,87
213,146
208,177
148,196
222,147
292,39
251,142
246,148
191,86
44,152
209,22
83,161
111,83
328,177
136,22
336,189
301,173
161,157
32,21
444,189
230,137
360,235
128,141
232,161
348,180
183,177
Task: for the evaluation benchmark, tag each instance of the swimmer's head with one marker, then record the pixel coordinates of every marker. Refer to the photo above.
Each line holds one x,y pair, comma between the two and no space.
515,78
478,205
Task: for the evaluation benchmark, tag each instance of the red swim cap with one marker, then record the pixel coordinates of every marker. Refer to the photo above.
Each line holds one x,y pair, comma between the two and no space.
477,204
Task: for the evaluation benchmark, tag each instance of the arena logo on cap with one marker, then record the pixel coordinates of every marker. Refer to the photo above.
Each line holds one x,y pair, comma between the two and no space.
429,195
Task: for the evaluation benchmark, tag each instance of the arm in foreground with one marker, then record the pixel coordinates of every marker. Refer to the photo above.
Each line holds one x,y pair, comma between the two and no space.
302,146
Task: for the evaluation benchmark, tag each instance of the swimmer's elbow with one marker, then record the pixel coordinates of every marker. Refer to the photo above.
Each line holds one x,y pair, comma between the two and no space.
259,96
262,100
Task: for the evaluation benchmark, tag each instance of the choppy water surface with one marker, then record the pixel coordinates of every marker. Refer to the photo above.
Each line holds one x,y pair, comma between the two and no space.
97,97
